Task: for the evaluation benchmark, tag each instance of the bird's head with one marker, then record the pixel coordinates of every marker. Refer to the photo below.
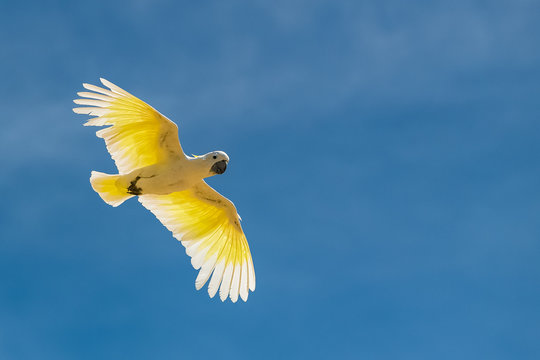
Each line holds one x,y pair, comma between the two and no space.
217,162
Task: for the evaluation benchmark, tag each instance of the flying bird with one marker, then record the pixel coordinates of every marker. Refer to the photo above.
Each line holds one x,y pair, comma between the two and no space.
152,166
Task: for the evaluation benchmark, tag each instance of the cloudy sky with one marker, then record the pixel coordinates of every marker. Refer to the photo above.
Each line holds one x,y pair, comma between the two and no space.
384,159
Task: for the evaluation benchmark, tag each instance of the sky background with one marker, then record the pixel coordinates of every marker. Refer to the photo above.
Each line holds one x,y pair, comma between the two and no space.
384,159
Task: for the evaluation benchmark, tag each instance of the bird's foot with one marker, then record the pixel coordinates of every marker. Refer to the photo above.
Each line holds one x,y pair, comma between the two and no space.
133,189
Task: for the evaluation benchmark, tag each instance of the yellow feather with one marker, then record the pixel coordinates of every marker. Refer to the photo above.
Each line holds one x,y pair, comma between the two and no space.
213,239
136,136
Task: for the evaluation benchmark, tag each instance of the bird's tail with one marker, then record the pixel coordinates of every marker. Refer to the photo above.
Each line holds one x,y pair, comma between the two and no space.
106,186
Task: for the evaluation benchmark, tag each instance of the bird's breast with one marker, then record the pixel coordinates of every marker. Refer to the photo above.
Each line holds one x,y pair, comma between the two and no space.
162,180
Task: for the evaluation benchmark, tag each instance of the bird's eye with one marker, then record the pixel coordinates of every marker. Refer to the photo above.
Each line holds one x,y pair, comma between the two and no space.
215,157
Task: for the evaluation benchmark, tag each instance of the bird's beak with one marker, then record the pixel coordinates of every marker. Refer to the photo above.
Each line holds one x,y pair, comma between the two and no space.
219,167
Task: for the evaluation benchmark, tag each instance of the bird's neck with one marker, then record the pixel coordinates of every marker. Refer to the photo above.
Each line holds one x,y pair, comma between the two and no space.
199,166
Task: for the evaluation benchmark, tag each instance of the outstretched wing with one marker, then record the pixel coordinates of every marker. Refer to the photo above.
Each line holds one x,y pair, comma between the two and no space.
139,135
209,227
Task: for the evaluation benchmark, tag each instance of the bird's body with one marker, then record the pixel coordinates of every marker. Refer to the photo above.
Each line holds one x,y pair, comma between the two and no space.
153,166
176,174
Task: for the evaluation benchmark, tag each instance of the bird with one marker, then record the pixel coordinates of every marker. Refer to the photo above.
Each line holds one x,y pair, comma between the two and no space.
152,166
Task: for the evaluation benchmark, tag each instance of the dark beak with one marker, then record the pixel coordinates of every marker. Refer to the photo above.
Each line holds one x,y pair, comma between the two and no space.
219,167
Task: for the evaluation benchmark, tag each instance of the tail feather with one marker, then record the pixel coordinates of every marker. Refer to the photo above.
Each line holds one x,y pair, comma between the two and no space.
106,186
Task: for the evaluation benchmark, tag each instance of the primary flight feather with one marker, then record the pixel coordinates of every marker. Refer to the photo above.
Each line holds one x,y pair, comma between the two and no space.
152,165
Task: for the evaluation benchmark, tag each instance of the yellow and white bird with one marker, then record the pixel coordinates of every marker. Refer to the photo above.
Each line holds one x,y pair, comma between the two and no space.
152,165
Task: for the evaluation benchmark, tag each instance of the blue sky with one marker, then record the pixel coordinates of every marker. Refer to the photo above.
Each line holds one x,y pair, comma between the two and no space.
384,159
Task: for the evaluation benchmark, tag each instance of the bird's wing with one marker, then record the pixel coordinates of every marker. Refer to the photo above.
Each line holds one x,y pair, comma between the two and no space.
209,227
139,135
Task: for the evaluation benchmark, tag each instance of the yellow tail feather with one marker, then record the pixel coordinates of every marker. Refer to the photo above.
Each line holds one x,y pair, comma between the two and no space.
105,186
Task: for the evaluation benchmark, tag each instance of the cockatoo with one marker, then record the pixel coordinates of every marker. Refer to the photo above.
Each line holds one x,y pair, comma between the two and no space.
152,165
